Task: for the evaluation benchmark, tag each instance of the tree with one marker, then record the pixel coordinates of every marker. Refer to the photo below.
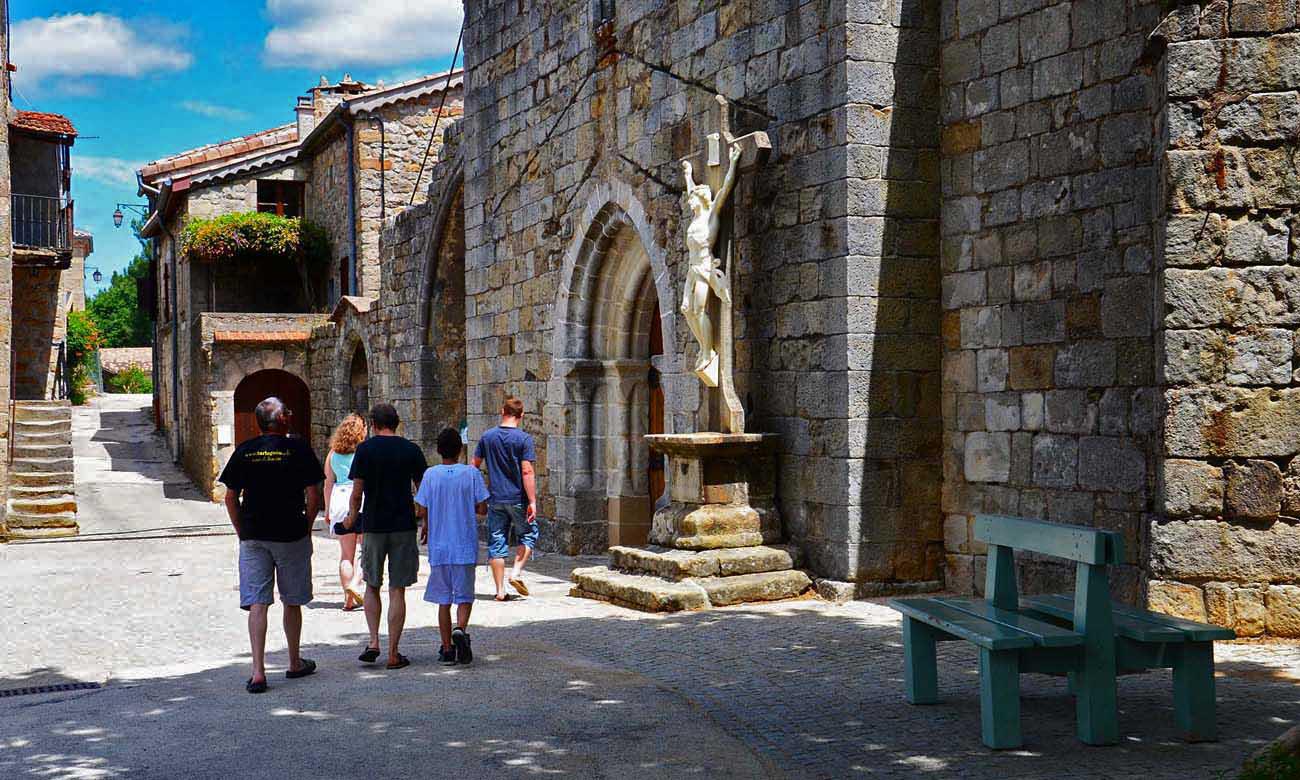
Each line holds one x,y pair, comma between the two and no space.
116,311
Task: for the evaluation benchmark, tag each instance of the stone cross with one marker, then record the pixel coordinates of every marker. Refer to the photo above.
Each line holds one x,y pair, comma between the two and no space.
713,167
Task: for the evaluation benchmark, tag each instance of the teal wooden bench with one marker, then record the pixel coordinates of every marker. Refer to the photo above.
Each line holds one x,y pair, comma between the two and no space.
1085,637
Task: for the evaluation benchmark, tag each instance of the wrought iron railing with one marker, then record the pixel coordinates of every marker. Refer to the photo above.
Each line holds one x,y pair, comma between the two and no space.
42,222
60,391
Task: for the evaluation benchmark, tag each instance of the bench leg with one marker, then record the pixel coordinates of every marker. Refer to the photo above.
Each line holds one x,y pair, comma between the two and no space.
1194,691
1000,698
920,668
1096,705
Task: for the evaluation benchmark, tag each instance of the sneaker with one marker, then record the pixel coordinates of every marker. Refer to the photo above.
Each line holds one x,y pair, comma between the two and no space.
447,656
460,641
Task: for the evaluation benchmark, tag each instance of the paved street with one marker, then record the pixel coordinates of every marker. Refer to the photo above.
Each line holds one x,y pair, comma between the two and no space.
145,603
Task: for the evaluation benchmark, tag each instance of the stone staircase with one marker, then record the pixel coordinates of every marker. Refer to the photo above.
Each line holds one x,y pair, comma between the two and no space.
662,579
42,494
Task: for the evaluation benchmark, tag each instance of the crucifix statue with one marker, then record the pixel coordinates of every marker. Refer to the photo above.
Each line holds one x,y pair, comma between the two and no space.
706,297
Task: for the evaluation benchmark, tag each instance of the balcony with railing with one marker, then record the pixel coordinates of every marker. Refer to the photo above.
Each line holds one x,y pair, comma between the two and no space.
42,230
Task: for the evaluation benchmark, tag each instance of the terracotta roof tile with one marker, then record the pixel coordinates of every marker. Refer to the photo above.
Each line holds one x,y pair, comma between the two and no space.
41,122
266,139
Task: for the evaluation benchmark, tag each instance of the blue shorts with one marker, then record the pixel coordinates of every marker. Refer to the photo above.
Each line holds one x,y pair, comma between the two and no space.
450,583
507,525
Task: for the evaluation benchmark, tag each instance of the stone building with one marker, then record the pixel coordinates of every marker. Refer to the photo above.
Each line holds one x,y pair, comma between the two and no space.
41,261
1007,256
229,335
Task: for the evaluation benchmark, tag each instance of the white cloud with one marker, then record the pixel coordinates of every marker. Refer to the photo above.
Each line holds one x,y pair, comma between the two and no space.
108,170
69,48
214,111
344,33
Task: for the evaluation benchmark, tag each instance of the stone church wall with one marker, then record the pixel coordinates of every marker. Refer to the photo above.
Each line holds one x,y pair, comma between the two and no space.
837,278
1050,196
1227,544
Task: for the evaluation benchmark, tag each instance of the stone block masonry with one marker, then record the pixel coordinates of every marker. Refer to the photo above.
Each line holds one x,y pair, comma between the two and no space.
1049,239
1225,544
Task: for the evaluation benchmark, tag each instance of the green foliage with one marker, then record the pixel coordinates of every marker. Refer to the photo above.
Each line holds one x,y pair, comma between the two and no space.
83,339
253,235
116,311
1277,764
131,379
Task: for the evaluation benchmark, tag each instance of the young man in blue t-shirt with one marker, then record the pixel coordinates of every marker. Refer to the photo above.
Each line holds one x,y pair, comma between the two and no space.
449,497
512,507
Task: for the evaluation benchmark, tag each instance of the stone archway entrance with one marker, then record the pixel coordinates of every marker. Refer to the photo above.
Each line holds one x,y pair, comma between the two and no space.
359,383
260,385
612,365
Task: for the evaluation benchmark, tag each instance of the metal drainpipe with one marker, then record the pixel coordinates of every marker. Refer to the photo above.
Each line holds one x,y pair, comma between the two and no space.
353,287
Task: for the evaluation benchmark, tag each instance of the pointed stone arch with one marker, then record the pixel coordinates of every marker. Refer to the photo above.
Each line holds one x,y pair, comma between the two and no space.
612,374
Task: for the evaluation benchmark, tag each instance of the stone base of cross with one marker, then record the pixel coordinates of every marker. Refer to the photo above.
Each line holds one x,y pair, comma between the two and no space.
723,412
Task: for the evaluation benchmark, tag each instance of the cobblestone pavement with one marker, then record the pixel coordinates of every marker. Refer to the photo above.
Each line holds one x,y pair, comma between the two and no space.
561,685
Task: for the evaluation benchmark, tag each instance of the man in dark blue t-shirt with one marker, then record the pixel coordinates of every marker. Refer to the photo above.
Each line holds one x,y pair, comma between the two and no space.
512,483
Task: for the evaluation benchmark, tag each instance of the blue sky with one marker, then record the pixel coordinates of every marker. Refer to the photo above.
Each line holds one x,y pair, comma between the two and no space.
146,79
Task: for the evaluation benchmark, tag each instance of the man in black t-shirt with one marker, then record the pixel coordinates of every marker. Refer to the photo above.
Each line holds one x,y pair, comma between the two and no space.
386,470
272,496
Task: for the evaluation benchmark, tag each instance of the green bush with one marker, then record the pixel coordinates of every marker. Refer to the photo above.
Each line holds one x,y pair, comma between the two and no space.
131,379
1277,764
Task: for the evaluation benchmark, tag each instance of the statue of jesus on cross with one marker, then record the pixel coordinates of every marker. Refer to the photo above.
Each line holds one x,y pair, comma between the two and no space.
707,295
704,274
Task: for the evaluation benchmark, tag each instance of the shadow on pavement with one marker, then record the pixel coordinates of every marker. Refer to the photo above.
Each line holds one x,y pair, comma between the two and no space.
728,693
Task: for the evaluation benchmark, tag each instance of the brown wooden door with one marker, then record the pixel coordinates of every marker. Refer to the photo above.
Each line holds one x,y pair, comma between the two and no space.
261,385
656,460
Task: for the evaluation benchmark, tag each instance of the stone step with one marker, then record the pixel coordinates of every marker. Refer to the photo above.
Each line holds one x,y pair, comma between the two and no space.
652,594
24,438
19,534
28,520
29,413
764,586
24,450
682,564
41,479
40,427
43,505
40,465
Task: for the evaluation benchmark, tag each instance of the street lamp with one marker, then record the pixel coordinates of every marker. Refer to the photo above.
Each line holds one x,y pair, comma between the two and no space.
97,276
118,215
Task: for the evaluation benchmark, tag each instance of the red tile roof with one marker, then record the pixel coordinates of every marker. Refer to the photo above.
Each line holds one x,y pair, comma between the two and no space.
43,123
260,337
266,139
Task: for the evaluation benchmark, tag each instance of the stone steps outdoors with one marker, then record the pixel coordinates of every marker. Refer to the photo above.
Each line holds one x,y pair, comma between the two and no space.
683,564
40,465
41,479
23,451
44,505
17,519
66,487
39,427
23,533
23,413
638,591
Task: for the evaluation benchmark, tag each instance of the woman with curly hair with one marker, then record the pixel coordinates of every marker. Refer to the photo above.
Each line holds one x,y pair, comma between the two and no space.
338,493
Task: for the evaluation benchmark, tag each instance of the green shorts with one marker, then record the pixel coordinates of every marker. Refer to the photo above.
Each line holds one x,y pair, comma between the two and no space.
400,548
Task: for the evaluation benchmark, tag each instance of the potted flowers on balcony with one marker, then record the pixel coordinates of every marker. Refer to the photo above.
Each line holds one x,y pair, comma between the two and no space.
260,238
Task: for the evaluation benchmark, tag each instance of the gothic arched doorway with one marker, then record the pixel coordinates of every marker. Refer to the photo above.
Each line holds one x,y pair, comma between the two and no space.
611,362
359,383
260,385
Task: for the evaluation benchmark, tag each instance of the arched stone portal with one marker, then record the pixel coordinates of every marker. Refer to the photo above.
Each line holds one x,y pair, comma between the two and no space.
611,363
359,382
440,392
260,385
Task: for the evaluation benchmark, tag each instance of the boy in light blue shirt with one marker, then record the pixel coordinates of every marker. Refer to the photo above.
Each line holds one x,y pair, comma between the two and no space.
449,497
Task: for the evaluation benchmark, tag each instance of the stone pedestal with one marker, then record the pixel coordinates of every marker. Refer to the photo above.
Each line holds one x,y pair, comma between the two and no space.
715,542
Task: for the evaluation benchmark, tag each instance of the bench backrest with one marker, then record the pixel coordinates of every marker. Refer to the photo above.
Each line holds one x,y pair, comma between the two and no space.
1072,542
1091,550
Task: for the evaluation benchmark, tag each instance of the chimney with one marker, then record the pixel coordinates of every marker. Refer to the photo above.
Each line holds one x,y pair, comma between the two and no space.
306,111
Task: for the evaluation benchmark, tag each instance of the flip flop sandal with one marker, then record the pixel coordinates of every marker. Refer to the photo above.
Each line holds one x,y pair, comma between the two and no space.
518,584
401,663
352,608
308,668
370,655
505,597
255,687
